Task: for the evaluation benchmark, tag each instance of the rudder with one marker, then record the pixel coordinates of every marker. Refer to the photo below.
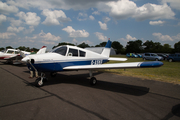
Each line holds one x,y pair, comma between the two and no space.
107,49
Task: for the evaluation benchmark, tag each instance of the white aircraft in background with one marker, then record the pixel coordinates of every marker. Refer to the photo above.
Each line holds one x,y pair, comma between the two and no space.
12,54
74,58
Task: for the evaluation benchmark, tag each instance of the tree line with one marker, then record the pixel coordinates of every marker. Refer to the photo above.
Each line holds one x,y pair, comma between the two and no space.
136,46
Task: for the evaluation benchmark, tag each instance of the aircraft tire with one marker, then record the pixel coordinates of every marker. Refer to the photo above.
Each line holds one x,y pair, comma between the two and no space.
93,81
38,82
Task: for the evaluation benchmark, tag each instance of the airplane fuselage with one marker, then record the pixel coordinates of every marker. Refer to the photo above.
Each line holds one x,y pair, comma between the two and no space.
71,56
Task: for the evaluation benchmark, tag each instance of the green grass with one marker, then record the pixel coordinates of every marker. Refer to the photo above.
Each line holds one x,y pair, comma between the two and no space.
169,72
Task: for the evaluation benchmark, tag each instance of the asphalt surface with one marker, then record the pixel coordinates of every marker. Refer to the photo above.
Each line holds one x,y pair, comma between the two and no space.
69,96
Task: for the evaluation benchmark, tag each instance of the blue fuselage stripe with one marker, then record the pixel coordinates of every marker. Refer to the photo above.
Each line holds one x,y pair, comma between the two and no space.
58,66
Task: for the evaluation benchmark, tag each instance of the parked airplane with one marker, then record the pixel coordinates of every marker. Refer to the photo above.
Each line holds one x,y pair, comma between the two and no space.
74,58
12,54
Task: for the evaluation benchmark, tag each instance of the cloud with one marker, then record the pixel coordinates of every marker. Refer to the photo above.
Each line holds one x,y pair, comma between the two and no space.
153,12
5,9
162,37
54,17
96,13
82,16
103,25
101,36
91,17
30,30
128,38
74,41
6,35
177,37
30,18
122,9
118,9
15,29
45,38
173,3
75,33
16,22
2,18
48,36
106,19
156,22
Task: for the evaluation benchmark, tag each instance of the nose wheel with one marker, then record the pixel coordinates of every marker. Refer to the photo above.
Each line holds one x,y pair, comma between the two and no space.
39,82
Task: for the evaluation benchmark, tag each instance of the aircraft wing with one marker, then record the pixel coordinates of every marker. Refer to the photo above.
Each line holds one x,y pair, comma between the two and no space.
14,57
116,66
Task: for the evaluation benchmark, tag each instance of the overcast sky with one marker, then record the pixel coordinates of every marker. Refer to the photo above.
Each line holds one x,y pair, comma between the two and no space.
34,23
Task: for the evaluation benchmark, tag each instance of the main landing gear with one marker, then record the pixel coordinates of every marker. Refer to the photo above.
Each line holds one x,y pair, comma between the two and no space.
39,82
93,80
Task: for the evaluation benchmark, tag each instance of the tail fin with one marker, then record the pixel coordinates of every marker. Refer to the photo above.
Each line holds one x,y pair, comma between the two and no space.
42,50
106,51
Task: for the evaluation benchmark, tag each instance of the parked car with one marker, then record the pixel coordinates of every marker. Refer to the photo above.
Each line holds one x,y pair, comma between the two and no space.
173,57
139,55
152,56
131,55
162,55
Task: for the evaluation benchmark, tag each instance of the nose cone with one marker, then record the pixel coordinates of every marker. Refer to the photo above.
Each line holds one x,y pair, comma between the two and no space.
25,59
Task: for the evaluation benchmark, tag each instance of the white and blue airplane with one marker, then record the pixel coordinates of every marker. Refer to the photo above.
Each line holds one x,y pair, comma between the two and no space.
74,58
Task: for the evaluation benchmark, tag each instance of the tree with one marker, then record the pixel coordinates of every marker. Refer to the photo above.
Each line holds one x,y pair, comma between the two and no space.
117,47
167,48
35,49
157,47
83,45
134,46
149,45
177,47
2,49
103,44
9,47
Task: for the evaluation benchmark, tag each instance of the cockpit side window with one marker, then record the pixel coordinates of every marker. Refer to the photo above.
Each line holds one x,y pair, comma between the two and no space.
82,53
10,51
61,50
73,52
16,52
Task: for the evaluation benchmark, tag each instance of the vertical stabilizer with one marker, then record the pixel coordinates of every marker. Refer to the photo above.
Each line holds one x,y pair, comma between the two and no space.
42,50
107,49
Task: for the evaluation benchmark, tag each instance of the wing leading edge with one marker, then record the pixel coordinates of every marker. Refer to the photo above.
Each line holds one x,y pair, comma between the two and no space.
116,66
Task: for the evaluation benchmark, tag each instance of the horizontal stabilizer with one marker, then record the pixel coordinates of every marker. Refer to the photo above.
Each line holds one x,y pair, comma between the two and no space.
116,66
117,59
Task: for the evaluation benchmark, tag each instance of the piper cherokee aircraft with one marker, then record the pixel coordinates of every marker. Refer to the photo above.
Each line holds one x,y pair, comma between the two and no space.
74,58
13,54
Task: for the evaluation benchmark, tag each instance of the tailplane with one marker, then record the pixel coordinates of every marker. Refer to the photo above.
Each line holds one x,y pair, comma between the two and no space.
107,49
42,50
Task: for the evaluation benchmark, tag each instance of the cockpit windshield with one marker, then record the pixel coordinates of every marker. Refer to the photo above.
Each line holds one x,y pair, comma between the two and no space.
60,50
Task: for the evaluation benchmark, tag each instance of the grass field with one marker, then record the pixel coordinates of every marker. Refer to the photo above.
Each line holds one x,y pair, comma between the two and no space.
169,72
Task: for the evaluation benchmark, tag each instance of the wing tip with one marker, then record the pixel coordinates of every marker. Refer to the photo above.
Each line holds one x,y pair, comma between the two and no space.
151,64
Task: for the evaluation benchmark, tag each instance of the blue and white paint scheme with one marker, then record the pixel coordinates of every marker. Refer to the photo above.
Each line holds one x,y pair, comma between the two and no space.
74,58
